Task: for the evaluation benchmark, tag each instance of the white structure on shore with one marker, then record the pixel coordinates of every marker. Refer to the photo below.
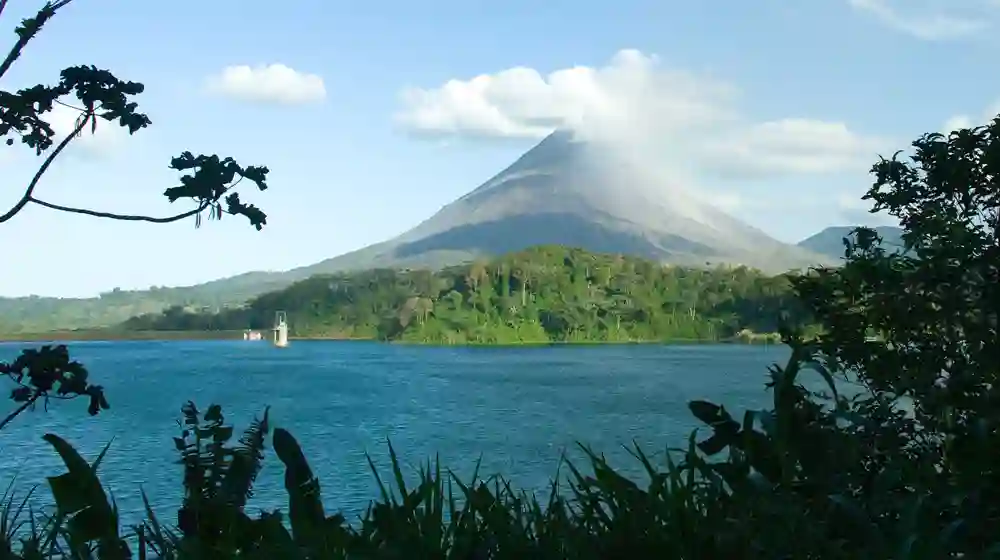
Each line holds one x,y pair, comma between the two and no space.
252,335
280,329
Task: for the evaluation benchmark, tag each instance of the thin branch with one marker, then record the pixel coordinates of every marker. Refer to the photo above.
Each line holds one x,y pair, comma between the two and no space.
23,39
67,105
62,397
44,167
209,205
24,406
29,192
122,217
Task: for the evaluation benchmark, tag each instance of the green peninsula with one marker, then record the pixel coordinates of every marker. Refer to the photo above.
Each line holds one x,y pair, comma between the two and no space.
541,295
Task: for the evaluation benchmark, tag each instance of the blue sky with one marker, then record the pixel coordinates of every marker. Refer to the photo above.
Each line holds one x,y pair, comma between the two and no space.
775,109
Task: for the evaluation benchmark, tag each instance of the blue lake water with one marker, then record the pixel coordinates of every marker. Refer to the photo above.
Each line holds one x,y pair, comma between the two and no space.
517,408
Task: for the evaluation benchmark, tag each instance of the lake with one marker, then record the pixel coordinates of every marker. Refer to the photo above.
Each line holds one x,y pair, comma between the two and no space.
517,408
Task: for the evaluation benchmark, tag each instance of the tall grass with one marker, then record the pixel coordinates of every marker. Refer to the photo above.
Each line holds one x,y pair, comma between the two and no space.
744,492
815,475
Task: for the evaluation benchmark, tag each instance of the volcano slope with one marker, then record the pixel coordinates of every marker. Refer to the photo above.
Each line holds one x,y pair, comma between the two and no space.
573,193
561,192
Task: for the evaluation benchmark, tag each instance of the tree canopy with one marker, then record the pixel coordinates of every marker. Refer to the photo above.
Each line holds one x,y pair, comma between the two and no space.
543,294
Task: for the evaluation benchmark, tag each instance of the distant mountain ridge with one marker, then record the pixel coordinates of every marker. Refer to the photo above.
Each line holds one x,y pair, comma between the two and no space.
561,192
830,241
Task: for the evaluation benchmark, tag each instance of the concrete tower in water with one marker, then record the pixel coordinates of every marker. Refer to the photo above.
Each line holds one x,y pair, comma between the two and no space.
280,329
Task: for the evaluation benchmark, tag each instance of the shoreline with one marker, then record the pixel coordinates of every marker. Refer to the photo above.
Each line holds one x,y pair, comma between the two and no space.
167,336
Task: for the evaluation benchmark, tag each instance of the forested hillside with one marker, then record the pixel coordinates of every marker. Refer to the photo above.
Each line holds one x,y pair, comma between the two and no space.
34,314
543,294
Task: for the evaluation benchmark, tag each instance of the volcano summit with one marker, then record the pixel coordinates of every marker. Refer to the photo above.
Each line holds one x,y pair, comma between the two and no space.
562,191
574,193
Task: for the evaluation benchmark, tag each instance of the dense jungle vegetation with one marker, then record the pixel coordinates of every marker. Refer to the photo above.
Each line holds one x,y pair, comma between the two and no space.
906,468
543,294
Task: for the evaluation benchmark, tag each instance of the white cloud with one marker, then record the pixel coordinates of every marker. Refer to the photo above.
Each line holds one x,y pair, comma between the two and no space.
727,201
102,141
795,145
274,83
853,210
633,101
521,102
956,122
967,121
927,20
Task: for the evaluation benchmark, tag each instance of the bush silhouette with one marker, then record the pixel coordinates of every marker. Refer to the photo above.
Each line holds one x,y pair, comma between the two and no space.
905,469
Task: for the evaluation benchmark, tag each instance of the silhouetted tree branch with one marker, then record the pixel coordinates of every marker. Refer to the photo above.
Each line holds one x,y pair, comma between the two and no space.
28,29
123,217
208,181
24,406
101,95
26,197
49,372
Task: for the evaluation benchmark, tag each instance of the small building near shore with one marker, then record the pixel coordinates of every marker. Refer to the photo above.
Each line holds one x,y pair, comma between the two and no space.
252,335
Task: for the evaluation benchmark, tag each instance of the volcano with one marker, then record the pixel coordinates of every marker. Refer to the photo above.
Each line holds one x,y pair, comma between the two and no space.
573,193
562,191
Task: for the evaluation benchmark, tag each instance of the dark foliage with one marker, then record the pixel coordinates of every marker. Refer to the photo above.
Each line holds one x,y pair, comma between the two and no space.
48,373
209,181
904,469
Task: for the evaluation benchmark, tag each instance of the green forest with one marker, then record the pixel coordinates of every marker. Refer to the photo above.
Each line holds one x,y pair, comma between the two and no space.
543,294
901,467
36,314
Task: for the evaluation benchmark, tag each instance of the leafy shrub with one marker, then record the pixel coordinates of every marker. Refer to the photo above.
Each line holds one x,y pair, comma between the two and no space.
906,469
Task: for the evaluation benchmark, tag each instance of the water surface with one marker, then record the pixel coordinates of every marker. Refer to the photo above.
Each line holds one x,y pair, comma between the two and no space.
518,408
